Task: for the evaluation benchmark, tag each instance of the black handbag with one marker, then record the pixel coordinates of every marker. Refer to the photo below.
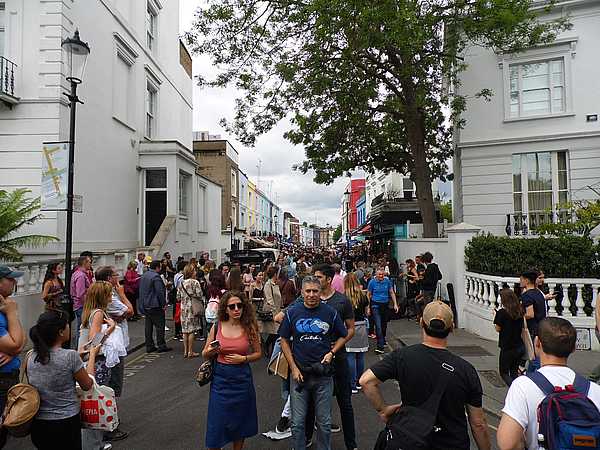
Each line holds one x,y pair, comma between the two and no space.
206,371
264,316
411,427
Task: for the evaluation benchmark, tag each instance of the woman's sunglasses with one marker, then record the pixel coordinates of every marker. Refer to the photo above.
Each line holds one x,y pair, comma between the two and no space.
234,306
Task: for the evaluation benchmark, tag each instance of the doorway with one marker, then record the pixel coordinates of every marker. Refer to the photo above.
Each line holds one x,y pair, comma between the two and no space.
155,202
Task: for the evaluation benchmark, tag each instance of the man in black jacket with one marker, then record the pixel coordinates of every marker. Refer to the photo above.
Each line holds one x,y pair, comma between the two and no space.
430,278
153,300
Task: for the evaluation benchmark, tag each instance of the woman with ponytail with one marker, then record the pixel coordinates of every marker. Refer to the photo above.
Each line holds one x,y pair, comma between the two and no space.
53,371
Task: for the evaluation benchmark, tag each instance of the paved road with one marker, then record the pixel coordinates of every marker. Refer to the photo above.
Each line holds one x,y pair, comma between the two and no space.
163,408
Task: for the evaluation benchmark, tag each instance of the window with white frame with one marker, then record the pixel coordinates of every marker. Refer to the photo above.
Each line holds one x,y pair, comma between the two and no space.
123,86
537,88
184,193
2,27
201,207
151,109
540,188
151,25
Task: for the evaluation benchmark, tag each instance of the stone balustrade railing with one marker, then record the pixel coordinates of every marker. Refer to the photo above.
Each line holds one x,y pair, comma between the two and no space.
576,300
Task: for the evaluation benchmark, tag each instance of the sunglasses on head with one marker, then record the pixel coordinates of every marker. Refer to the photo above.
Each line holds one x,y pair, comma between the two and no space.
234,306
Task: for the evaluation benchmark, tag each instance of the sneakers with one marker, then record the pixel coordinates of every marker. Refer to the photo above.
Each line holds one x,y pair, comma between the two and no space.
167,328
309,443
106,446
164,350
379,350
115,435
359,387
151,350
355,391
283,425
373,336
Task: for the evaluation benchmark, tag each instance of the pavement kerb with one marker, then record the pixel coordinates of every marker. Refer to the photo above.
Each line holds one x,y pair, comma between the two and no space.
398,340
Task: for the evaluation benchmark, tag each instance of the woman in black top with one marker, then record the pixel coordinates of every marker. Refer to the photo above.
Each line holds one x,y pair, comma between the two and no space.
509,323
359,344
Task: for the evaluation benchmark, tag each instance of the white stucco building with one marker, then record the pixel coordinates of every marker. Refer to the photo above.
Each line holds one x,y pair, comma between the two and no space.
381,183
537,143
134,166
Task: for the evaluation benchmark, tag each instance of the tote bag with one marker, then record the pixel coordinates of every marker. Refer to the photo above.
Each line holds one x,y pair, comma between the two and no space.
526,337
98,408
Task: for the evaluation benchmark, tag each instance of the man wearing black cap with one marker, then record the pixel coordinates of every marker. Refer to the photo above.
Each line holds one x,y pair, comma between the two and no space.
12,336
420,370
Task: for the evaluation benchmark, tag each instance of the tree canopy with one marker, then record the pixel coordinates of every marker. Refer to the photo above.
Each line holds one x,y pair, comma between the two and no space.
365,84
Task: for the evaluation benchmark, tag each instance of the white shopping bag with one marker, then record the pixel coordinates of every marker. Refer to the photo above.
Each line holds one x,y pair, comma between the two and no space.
98,408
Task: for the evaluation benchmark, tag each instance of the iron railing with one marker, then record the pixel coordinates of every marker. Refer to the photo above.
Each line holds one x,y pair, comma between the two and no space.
7,76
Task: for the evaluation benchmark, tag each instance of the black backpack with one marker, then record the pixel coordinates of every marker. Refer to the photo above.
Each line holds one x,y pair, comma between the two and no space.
413,427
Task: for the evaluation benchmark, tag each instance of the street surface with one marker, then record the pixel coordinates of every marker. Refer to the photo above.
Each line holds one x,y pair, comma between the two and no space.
163,408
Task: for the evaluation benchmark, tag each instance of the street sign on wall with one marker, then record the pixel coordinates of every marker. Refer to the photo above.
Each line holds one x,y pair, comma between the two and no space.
584,339
55,174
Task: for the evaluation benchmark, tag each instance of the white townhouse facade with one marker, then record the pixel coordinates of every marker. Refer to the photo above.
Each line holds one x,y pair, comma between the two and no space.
383,183
134,165
536,144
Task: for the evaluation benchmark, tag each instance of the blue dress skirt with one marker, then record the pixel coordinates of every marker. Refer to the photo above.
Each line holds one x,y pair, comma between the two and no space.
231,405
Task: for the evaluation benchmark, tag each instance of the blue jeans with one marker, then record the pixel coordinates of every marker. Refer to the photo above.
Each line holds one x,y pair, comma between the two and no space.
75,331
356,363
379,312
319,390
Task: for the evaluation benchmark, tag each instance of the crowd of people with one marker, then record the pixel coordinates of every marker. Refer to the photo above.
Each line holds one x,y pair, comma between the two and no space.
315,310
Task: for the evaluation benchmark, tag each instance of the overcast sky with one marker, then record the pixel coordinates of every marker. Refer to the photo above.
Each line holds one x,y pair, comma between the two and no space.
295,192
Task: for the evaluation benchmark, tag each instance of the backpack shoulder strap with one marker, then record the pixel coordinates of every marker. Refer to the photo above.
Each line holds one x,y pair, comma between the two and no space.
581,384
541,382
433,402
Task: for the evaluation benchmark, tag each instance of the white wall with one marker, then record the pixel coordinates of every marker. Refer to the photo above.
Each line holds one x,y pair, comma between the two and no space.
107,149
483,164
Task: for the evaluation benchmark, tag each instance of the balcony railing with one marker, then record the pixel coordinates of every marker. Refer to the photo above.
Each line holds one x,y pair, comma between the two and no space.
519,224
7,81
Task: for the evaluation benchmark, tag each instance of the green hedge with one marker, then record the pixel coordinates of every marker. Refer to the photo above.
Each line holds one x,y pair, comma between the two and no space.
567,256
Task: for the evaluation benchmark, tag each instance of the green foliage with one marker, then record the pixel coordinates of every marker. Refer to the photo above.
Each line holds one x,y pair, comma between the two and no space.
364,83
446,211
565,256
582,218
337,234
16,212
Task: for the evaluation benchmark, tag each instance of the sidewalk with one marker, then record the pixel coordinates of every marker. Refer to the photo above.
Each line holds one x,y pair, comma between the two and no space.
483,354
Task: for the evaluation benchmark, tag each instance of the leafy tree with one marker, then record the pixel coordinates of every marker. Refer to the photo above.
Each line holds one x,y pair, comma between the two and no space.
337,234
365,83
17,211
446,211
583,216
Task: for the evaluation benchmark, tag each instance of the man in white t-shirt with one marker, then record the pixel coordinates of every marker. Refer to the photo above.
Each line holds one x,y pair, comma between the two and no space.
554,343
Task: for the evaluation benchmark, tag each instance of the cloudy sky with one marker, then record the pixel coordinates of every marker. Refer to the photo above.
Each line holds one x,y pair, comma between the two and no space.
295,192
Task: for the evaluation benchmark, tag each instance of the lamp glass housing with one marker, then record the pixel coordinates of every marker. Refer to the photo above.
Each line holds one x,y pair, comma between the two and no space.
77,52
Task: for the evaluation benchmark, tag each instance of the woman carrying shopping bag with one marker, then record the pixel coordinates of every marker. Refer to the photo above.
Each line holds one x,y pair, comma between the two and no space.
53,371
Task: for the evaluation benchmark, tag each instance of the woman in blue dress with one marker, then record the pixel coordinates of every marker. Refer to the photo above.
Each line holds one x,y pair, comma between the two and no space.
235,342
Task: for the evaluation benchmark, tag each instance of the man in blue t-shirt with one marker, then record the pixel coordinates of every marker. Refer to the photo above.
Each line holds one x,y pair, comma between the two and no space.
318,333
380,291
12,337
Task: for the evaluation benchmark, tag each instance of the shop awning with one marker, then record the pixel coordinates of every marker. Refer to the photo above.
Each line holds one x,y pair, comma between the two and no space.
364,229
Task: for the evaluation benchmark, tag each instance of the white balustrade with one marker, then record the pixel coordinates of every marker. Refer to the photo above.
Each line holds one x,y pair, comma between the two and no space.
481,301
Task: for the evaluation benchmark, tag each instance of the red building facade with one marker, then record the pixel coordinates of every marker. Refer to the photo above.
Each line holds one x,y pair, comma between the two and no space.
355,188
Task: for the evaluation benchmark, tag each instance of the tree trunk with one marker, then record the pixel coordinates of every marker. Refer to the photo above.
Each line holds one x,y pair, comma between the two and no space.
422,176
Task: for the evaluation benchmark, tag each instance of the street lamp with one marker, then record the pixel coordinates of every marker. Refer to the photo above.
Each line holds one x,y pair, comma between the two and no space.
347,195
77,52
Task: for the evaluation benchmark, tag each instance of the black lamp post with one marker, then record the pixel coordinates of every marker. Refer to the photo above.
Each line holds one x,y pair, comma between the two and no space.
77,52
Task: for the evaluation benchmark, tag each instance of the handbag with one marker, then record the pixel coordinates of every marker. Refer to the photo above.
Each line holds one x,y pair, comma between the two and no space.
526,337
413,427
279,366
98,409
206,371
197,303
22,405
265,316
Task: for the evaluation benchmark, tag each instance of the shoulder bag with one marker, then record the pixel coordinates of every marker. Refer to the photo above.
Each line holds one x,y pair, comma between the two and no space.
527,341
206,371
22,405
413,427
197,303
266,316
